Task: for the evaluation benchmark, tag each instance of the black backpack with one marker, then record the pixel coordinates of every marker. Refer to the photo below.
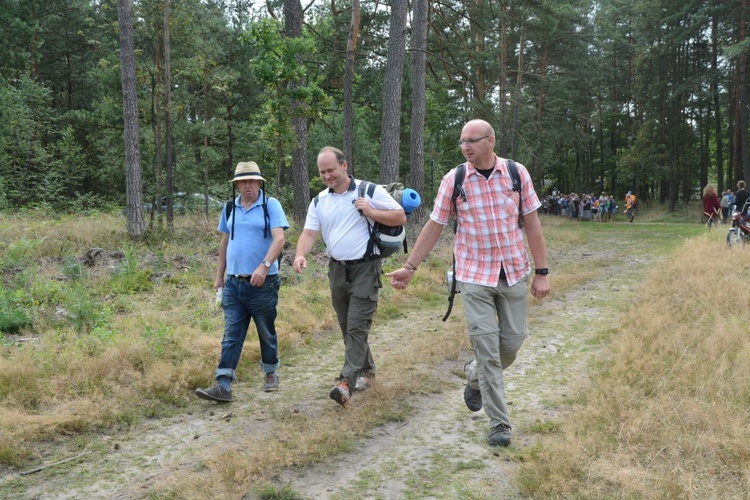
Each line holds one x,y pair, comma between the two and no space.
458,190
388,239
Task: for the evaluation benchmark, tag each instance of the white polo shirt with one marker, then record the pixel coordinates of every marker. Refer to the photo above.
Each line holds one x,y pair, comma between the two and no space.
343,228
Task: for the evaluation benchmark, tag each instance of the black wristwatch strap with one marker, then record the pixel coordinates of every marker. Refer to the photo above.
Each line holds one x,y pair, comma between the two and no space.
544,271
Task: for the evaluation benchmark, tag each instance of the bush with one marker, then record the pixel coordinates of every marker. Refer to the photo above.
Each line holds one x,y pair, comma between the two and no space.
12,318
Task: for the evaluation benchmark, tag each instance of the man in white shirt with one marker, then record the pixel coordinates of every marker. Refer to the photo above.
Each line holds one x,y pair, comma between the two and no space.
341,216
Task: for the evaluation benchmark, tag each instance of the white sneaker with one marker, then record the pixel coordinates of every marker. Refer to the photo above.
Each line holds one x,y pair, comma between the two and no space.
361,383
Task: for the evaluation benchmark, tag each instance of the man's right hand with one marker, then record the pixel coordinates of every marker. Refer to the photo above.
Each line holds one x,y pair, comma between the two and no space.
300,263
400,278
219,282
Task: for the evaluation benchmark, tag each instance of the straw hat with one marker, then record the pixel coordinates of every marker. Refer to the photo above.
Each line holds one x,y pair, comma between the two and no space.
247,170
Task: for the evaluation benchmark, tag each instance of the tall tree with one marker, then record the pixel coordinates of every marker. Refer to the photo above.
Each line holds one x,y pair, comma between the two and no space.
394,71
300,175
718,134
168,132
136,224
741,142
351,59
418,100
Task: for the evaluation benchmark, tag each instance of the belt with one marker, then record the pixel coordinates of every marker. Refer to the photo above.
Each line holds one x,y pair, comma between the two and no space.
355,261
241,277
246,277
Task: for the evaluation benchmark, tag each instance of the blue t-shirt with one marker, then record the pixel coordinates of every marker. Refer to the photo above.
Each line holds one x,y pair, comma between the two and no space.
248,249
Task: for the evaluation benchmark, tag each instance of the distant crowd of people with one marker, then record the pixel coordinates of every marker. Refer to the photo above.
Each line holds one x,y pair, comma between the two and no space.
588,207
728,199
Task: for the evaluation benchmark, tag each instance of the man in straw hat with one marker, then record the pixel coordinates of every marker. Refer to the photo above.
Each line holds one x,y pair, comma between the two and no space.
341,216
252,228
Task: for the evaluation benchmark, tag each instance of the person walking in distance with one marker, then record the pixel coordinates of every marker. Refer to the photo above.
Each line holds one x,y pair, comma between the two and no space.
741,197
252,227
492,266
630,206
341,216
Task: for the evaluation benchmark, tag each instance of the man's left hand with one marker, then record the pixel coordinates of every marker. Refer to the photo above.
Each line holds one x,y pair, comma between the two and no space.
259,275
540,286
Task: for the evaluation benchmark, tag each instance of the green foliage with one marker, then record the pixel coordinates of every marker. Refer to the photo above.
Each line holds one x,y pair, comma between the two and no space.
82,311
159,339
14,453
290,88
19,252
130,278
273,492
12,318
594,76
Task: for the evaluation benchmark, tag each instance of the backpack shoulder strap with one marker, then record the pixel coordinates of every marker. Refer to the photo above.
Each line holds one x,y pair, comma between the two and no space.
516,179
458,183
228,209
365,185
513,171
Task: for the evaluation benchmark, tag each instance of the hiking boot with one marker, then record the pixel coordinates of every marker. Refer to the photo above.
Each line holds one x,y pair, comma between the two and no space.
271,383
362,383
472,398
499,435
216,393
341,393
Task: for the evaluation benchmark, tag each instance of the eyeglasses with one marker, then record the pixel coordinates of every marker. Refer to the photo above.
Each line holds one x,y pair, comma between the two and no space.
461,142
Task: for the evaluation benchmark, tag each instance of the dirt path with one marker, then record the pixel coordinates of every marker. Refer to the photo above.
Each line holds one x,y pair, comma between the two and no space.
439,452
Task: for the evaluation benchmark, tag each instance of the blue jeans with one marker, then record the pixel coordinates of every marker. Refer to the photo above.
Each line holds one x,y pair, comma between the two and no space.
242,302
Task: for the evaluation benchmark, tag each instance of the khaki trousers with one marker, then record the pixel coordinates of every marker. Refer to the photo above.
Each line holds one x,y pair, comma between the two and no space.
354,293
496,319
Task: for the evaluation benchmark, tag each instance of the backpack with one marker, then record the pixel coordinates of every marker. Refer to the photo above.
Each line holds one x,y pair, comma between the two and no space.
458,190
388,239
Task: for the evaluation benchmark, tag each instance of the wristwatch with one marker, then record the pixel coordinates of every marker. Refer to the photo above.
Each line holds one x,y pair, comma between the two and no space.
544,271
267,264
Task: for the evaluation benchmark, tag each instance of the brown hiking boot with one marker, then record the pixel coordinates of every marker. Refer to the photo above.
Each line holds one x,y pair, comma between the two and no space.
341,393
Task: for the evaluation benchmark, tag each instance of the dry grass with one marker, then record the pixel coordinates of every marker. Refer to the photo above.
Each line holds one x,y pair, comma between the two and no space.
667,415
301,439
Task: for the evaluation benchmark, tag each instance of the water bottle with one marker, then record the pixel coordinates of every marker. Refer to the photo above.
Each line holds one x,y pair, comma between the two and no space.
218,296
449,279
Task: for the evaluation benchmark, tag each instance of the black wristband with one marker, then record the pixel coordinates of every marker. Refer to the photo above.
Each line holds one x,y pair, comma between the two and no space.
544,271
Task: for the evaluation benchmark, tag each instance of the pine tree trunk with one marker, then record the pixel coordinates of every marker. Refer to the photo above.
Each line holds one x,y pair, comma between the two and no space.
418,102
351,57
134,191
394,71
168,141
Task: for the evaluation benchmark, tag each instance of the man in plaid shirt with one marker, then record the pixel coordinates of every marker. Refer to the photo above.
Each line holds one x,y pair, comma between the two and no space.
492,266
